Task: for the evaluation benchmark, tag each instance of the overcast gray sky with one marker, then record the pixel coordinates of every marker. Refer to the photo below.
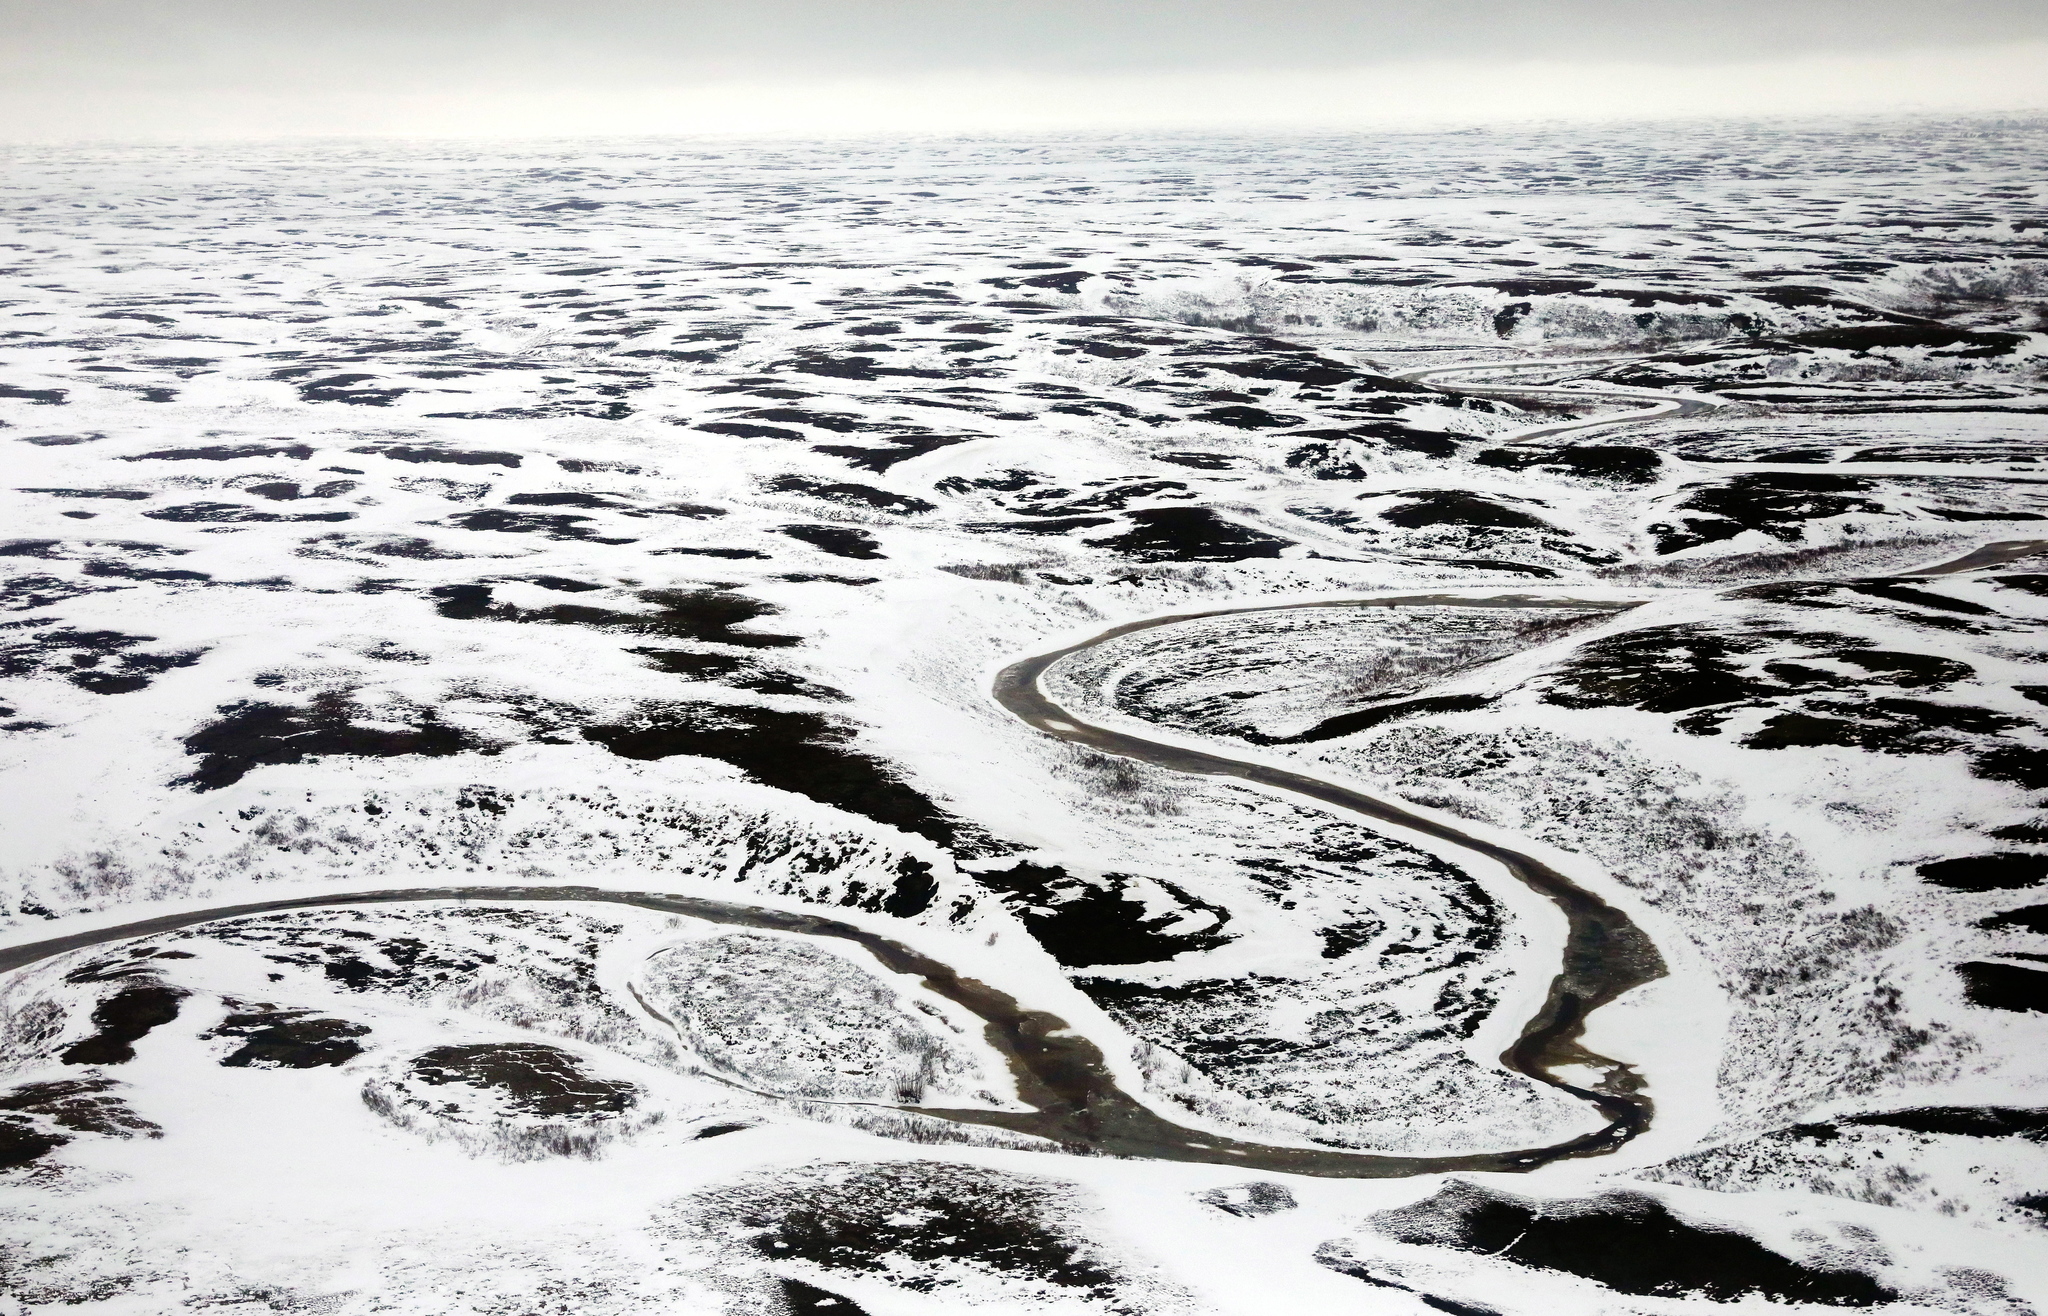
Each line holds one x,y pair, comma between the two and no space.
105,67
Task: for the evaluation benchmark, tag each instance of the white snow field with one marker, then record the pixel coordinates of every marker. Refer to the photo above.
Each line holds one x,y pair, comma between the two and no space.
520,797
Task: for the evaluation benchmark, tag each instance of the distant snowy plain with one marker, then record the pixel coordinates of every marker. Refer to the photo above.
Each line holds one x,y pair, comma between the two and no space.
654,516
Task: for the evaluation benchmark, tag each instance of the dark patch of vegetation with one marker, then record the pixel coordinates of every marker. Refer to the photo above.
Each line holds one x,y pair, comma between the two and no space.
1189,534
816,361
21,1142
1422,508
1246,418
129,571
1057,526
252,734
288,1039
902,448
2000,871
32,1115
1530,287
1364,719
805,753
225,452
740,429
1944,342
98,661
801,1299
131,495
24,593
734,671
569,498
1346,1265
402,546
2005,987
1611,463
708,616
1082,923
719,1130
1670,669
345,388
1662,669
1113,499
1630,1242
1964,1121
41,397
851,495
123,1019
2030,918
1886,726
236,512
550,525
531,1078
838,540
911,1223
1827,593
1251,1200
447,456
1776,504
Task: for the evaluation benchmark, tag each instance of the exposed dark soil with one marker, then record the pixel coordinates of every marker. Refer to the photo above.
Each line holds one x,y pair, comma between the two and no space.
533,1079
1628,1241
